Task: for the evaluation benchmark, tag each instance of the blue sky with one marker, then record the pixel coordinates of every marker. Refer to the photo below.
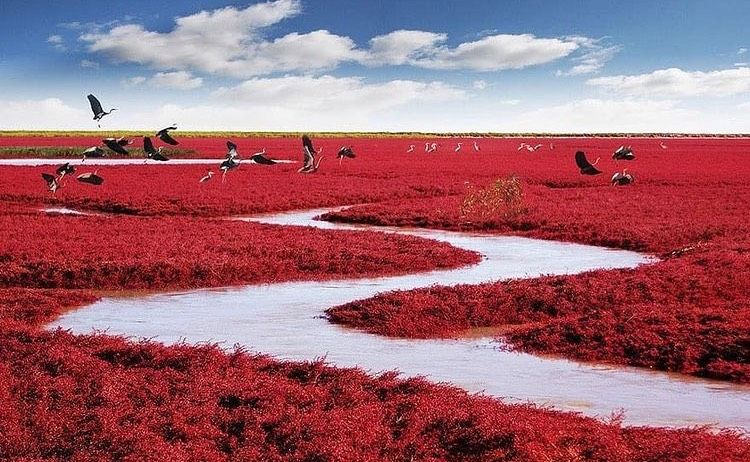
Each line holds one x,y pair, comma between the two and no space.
482,65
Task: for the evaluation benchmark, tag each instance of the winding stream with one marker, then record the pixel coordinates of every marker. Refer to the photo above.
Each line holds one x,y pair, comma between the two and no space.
284,320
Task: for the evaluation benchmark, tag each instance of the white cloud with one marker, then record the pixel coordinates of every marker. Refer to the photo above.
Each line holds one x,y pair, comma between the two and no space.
50,113
601,116
479,84
510,102
676,82
134,81
742,51
594,56
87,64
403,46
179,80
57,42
742,64
230,41
498,52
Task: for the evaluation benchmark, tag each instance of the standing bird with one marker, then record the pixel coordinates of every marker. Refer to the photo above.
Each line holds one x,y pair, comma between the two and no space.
260,158
151,153
622,178
476,146
115,146
458,147
345,151
309,153
90,178
587,168
427,147
51,180
411,148
65,169
163,135
206,177
93,151
662,145
232,161
96,108
623,153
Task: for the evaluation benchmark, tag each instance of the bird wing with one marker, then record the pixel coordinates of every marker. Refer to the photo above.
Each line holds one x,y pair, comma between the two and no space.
48,178
231,150
63,168
309,159
148,146
261,159
307,143
159,156
164,136
123,141
112,144
581,161
96,106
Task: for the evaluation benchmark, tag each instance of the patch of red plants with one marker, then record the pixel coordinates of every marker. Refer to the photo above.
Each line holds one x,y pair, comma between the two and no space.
110,252
68,397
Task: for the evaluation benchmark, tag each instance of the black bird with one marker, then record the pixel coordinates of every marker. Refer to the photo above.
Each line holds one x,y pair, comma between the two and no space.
93,151
587,168
51,181
65,169
151,152
346,151
623,153
163,135
90,178
308,151
622,178
115,146
96,108
232,161
260,158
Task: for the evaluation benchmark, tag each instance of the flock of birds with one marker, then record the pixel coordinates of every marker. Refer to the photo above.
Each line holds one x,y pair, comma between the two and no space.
310,162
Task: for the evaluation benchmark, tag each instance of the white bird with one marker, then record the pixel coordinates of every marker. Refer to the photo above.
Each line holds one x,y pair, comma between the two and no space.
206,177
476,146
521,146
427,147
458,147
433,147
662,145
411,148
551,147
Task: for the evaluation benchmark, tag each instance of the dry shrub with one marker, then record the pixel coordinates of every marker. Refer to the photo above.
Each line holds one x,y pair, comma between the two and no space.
501,200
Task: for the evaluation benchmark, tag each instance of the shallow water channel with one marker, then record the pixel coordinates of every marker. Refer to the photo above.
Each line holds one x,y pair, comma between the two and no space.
285,320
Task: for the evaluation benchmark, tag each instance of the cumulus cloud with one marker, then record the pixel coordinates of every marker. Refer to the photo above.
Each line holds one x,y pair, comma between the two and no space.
230,41
594,56
50,113
479,85
179,80
676,82
134,81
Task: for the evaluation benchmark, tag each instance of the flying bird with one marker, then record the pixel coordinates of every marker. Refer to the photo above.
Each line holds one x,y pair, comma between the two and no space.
163,135
521,146
206,177
309,153
122,141
90,178
151,153
96,108
411,148
623,153
231,162
115,146
622,178
51,180
65,169
93,151
345,151
476,146
587,168
260,158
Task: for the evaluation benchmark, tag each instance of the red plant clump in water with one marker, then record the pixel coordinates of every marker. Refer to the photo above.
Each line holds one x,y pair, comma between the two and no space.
98,397
111,252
